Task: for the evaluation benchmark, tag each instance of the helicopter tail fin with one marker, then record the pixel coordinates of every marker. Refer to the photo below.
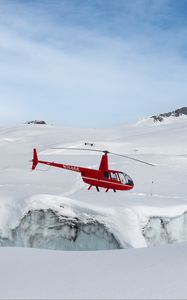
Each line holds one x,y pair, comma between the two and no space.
35,159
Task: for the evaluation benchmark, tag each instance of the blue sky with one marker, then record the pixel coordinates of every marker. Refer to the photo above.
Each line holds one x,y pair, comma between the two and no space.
91,63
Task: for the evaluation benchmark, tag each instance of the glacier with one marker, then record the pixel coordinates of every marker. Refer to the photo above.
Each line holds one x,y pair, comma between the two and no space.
61,223
51,208
164,230
50,230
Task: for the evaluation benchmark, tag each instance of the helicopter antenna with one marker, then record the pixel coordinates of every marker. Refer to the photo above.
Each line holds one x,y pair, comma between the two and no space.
107,152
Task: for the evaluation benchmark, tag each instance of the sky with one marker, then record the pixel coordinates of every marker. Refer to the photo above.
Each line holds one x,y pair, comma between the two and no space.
91,63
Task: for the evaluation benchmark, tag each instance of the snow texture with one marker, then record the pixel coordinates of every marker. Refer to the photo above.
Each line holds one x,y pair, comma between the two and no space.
147,273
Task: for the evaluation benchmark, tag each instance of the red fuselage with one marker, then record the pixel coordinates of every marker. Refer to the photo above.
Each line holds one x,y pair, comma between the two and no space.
103,178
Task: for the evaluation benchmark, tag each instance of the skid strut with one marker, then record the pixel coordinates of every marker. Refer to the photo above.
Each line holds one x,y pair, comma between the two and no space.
91,187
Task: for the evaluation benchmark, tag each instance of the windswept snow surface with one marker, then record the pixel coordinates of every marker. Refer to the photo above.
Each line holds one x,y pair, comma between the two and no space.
41,203
147,273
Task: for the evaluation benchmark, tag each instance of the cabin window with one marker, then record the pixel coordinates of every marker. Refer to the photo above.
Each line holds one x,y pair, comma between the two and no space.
114,176
122,178
128,180
106,175
125,179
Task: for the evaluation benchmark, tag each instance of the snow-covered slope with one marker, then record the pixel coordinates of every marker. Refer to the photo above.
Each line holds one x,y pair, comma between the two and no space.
52,208
149,273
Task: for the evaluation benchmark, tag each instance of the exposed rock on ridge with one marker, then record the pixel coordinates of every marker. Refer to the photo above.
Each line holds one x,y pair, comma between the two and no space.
175,113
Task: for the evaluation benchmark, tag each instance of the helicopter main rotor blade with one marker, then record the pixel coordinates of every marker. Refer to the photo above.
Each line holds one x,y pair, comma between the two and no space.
63,148
107,152
141,161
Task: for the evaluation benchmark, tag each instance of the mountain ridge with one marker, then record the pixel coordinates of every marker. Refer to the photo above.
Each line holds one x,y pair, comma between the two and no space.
175,113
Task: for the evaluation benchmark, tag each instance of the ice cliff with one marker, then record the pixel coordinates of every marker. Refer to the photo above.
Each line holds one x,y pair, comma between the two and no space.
61,225
47,229
165,230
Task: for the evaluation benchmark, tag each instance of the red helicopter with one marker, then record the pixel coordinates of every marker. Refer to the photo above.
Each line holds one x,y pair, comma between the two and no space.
102,178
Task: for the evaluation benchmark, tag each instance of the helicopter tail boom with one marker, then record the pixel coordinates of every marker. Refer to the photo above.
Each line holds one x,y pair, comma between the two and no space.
35,162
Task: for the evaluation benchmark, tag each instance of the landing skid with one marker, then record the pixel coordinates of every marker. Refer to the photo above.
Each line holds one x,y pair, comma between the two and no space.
97,188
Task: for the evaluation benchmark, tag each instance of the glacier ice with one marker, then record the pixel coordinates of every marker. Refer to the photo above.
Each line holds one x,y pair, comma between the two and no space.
45,228
165,230
65,224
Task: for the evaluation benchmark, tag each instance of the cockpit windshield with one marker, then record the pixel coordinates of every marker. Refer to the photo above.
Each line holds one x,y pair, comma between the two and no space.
125,179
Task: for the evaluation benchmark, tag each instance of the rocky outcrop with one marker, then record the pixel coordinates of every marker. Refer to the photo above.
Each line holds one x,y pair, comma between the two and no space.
38,122
176,113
